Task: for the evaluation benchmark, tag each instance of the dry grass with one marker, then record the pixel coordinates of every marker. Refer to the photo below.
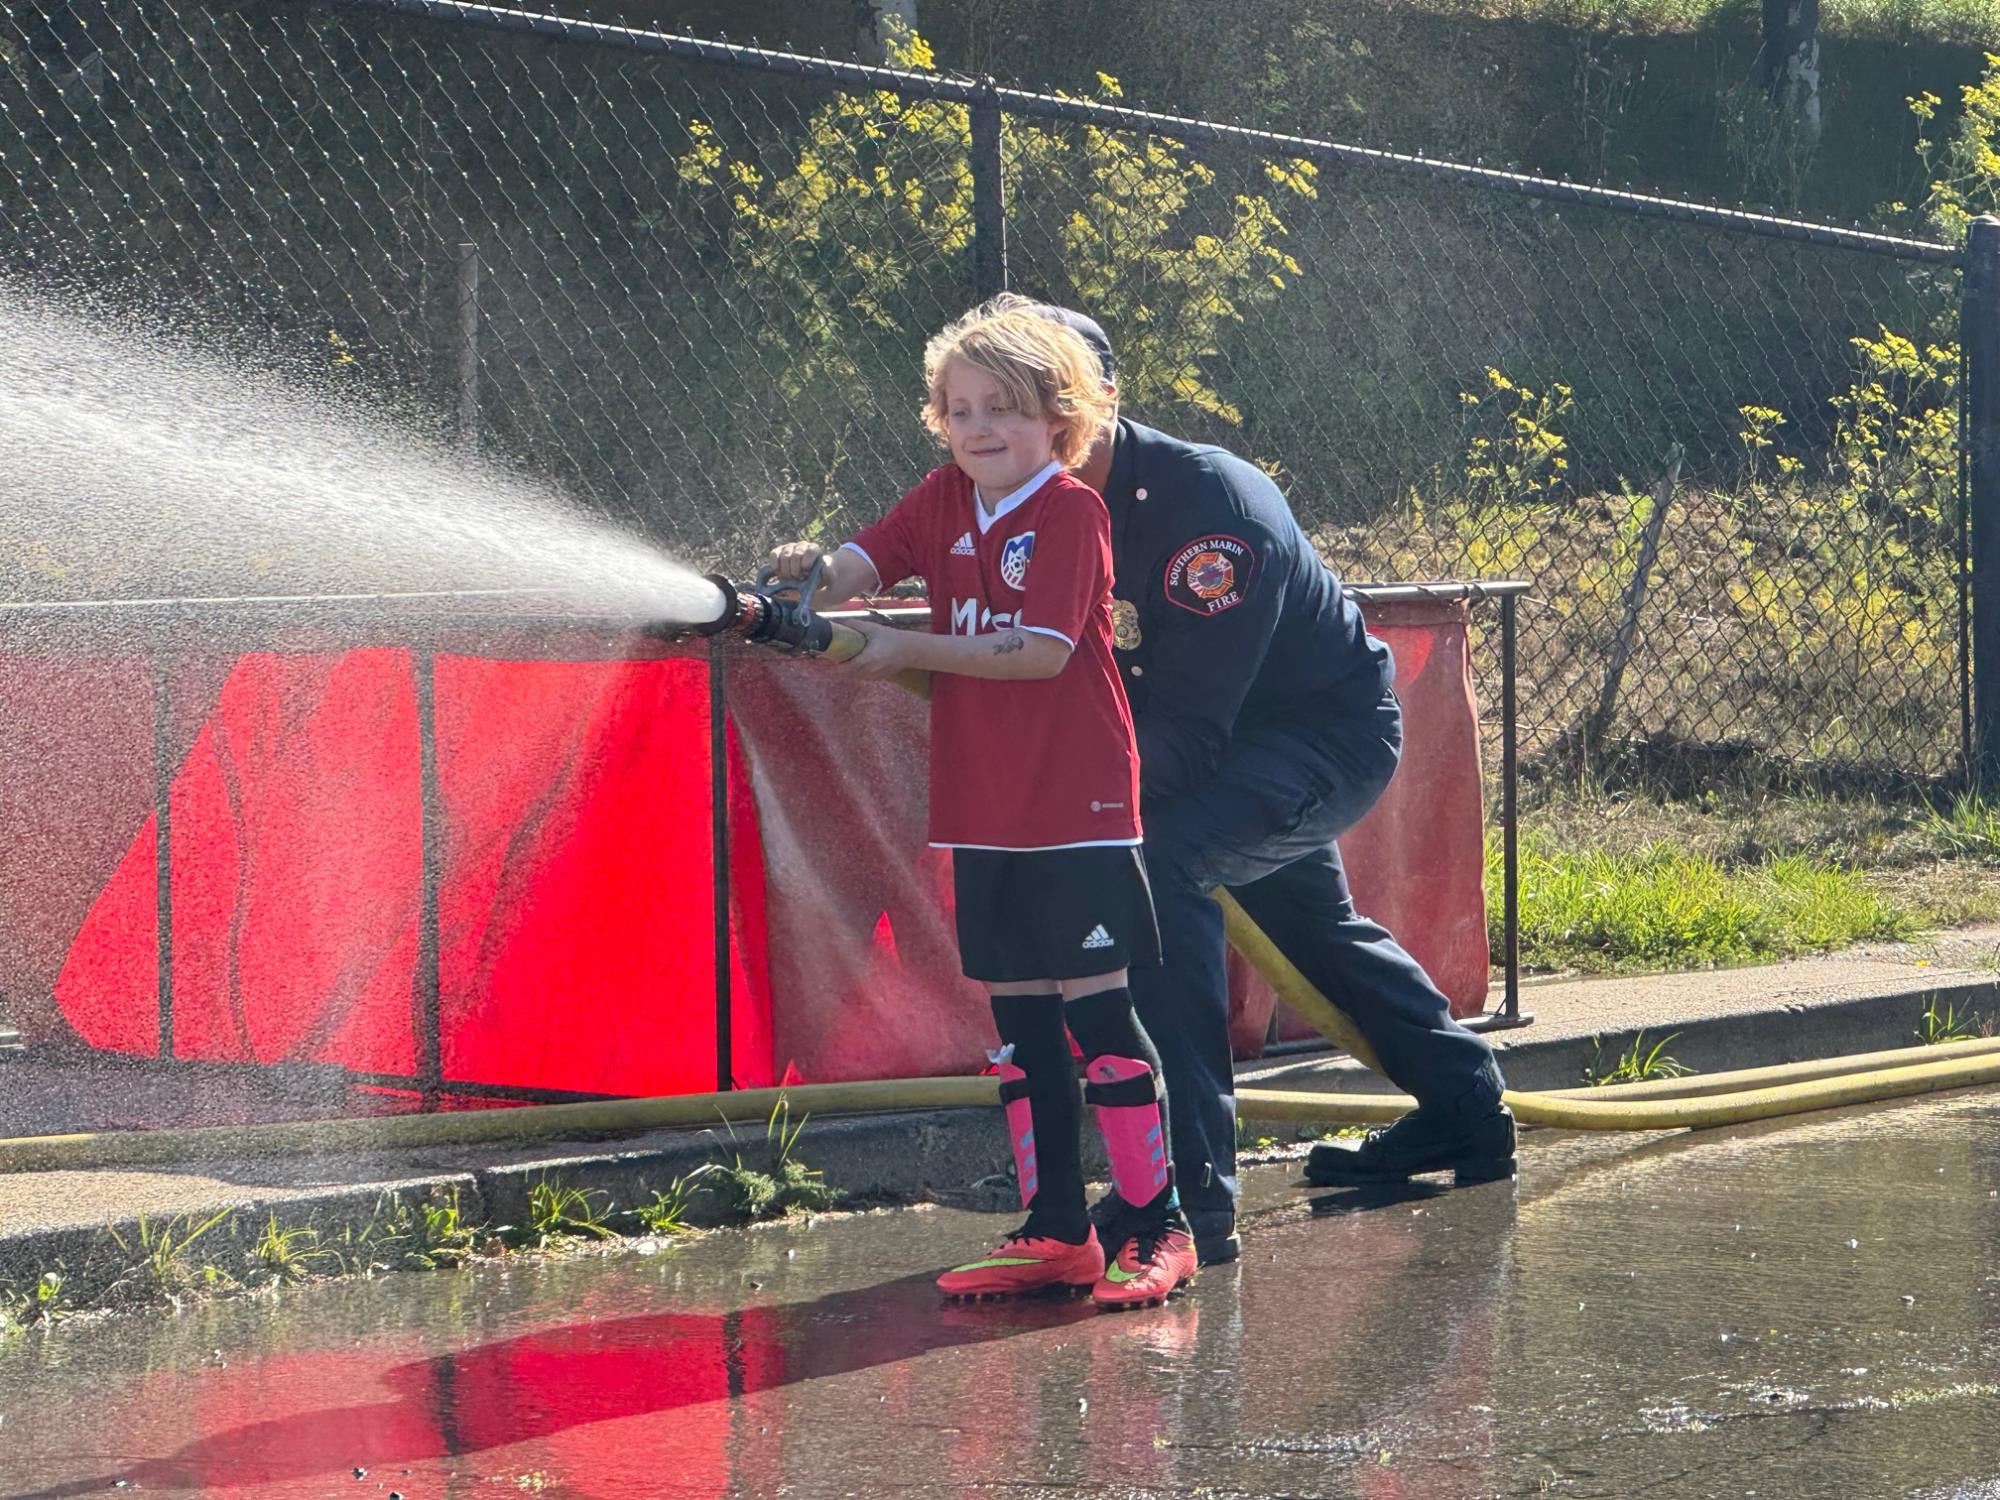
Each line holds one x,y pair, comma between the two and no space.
1789,622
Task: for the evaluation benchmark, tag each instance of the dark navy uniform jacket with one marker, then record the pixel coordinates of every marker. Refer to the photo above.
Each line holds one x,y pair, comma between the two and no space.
1225,617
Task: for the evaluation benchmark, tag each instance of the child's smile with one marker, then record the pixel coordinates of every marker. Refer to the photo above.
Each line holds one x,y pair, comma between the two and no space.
999,446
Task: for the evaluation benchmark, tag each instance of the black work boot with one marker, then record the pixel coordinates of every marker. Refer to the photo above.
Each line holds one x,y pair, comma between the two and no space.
1215,1239
1474,1145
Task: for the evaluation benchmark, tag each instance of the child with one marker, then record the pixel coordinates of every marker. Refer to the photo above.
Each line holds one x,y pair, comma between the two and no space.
1034,788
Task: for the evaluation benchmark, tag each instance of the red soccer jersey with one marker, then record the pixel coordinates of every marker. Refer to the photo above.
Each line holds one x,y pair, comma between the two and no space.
1048,764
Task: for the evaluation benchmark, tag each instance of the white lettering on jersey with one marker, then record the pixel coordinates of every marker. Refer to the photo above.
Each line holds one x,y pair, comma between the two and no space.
970,617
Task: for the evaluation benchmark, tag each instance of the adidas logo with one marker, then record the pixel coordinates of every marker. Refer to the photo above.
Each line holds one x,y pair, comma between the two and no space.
1098,938
963,546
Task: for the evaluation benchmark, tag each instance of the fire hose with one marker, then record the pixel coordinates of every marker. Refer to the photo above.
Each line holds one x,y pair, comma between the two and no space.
1730,1098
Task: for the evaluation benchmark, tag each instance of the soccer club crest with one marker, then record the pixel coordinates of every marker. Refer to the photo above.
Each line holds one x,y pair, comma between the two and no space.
1014,559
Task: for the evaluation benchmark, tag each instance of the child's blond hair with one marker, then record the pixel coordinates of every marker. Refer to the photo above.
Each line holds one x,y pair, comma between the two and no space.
1041,364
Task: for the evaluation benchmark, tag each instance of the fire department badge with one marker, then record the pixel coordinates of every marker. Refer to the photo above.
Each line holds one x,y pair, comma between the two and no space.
1211,574
1014,559
1125,625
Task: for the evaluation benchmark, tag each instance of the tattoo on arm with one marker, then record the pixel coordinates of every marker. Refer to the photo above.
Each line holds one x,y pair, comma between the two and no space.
1008,643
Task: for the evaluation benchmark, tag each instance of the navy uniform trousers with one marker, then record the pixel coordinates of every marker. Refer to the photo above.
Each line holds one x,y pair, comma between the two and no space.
1263,827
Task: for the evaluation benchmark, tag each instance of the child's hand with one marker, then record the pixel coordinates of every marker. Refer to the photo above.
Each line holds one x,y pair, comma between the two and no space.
887,652
793,560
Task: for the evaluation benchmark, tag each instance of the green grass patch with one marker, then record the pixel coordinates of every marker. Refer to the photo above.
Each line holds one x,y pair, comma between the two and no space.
1638,1063
788,1187
667,1213
1664,906
289,1255
1939,1027
1967,829
558,1212
1740,873
164,1262
38,1306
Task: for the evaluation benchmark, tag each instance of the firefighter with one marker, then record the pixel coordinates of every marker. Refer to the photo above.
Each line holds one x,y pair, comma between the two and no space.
1267,727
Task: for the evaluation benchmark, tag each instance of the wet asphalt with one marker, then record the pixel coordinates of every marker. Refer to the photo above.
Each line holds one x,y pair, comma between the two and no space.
1809,1308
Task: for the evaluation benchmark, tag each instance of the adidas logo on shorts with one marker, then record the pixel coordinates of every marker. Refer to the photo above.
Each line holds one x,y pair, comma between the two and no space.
1098,938
963,546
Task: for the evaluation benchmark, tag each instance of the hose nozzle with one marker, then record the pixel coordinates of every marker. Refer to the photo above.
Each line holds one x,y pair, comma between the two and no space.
767,613
730,617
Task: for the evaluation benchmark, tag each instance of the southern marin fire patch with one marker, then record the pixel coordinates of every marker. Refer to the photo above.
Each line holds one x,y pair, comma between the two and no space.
1014,559
1211,575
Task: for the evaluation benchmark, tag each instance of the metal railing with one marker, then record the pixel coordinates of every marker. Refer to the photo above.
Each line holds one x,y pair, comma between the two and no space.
166,634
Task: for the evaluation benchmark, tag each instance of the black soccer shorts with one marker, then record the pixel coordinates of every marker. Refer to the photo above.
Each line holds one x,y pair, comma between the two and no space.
1053,913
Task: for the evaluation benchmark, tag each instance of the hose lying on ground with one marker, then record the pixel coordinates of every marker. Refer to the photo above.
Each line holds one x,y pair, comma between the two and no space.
1566,1111
1665,1104
1788,1089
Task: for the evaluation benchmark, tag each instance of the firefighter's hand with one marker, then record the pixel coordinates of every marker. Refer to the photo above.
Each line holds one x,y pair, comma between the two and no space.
791,561
887,653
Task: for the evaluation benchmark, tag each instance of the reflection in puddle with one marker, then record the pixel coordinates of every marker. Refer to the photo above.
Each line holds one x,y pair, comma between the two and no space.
1684,1320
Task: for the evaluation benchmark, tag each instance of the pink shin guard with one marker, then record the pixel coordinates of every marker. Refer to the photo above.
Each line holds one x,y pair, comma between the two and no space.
1020,1128
1131,1131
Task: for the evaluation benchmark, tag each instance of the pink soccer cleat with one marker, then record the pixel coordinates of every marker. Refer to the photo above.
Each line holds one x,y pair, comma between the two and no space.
1150,1264
1026,1263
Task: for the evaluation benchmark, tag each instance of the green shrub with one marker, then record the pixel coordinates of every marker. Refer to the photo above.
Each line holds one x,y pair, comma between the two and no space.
835,242
1513,453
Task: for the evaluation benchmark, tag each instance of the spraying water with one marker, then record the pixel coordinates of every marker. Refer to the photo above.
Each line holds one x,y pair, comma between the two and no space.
136,468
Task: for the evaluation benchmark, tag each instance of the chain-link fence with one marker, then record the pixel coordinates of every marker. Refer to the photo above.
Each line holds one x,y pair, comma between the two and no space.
688,283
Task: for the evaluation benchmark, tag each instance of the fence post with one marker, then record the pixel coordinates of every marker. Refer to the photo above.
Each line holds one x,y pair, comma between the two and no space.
1510,846
164,766
718,834
426,986
989,198
468,346
1979,336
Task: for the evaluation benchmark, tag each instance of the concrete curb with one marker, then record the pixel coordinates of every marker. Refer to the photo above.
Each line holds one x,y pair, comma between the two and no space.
1705,1043
96,1272
871,1159
960,1156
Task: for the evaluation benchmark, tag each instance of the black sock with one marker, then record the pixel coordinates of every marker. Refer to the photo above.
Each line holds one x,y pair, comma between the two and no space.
1105,1025
1033,1026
